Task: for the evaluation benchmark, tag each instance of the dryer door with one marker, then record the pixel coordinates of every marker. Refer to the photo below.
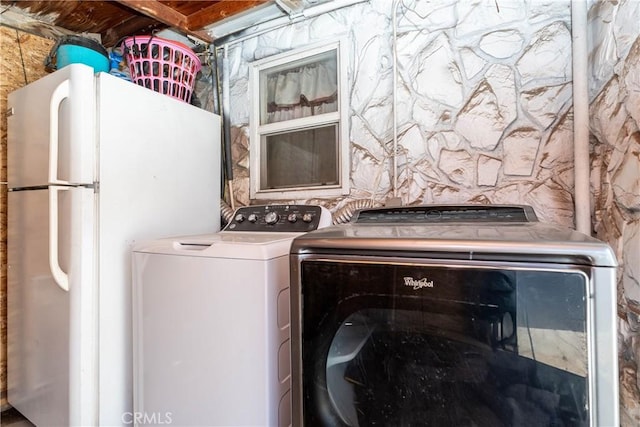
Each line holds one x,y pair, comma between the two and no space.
426,344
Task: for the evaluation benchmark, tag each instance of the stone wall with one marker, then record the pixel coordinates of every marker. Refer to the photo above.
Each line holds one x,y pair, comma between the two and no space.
615,178
484,101
484,115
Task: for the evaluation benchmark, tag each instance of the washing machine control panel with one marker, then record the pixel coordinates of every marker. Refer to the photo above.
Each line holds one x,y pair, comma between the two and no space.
284,218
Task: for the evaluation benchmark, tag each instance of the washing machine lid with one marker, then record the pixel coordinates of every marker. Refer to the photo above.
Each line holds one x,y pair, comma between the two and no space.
259,232
224,245
485,237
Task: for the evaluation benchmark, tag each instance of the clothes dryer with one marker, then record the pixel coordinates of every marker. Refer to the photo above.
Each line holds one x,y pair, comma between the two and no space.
445,315
211,321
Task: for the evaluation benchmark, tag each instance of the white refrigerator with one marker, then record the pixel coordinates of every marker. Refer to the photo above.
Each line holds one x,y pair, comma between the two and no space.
95,164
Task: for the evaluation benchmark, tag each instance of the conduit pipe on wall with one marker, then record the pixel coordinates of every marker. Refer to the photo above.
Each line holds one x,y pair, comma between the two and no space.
226,124
582,198
394,20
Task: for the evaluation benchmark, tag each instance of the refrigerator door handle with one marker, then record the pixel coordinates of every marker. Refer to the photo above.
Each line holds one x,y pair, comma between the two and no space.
60,277
59,94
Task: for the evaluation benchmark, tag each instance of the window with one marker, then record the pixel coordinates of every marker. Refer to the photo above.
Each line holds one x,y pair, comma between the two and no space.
299,139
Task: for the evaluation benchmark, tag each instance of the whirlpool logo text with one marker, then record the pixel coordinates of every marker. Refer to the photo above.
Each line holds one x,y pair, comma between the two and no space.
418,284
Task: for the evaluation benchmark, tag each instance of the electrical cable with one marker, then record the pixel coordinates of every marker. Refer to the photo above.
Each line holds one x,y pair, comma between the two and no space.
24,68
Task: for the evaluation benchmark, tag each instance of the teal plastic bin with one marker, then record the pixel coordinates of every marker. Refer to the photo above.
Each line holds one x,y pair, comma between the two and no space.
76,49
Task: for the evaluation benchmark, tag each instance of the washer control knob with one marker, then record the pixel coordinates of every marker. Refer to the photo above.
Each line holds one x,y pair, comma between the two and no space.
307,217
239,217
253,218
271,218
292,217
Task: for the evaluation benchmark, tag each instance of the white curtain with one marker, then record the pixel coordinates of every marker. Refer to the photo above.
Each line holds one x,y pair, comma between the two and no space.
302,92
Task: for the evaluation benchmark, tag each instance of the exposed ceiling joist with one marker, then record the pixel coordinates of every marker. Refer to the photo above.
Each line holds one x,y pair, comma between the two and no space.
166,15
218,11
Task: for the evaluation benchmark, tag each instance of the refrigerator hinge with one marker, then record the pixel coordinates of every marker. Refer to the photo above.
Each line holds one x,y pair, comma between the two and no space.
96,187
10,111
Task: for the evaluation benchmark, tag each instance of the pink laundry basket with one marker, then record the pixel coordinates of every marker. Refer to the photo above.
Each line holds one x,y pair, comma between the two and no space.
162,65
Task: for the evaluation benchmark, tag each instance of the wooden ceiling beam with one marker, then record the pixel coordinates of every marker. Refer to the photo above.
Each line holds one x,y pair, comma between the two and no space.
157,10
219,11
166,15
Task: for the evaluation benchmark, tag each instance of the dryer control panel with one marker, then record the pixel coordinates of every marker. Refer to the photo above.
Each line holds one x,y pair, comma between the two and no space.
446,214
279,218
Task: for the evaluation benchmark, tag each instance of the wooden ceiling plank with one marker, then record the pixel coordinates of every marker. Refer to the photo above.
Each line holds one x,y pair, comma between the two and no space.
188,7
20,21
157,10
166,15
218,11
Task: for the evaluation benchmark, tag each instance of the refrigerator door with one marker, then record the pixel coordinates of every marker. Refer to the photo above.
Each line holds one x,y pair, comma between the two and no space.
51,130
51,343
159,175
52,281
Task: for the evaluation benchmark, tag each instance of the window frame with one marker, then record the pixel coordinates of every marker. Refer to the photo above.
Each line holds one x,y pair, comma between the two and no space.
339,118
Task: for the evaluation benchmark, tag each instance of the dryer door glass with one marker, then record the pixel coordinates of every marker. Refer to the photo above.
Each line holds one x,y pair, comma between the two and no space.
427,345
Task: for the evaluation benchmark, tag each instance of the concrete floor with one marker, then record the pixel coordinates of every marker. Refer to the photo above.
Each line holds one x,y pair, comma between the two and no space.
13,418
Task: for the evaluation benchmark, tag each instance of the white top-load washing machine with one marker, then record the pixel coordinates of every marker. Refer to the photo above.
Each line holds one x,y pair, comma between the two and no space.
211,321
